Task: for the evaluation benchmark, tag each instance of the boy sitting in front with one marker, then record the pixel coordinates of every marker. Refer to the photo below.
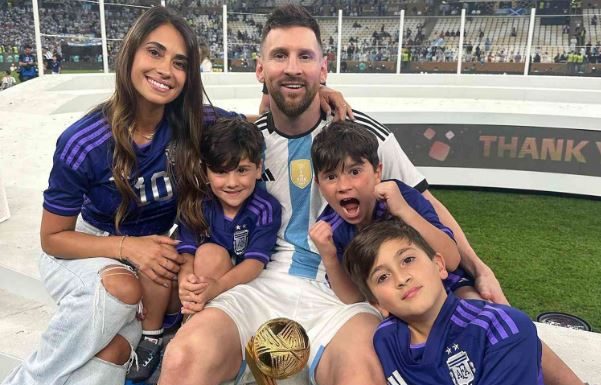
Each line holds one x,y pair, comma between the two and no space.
243,221
347,171
430,336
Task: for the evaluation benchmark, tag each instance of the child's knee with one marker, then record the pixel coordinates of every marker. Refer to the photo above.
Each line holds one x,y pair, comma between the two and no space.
122,284
212,257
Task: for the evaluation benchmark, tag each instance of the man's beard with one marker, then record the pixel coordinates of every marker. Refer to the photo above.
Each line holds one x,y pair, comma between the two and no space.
293,108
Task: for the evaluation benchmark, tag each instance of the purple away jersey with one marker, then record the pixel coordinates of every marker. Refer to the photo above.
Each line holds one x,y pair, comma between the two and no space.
344,232
250,235
471,343
81,177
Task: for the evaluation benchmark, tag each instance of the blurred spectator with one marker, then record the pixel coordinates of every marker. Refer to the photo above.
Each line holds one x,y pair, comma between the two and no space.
8,80
205,58
55,64
27,65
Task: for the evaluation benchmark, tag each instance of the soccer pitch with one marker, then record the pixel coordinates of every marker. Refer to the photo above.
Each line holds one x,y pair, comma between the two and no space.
544,249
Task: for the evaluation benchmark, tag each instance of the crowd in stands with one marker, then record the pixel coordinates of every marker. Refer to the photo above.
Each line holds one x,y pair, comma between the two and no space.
374,39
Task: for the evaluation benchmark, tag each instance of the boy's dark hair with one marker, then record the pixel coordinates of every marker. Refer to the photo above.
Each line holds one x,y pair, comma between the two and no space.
361,253
8,72
228,141
291,15
340,140
28,46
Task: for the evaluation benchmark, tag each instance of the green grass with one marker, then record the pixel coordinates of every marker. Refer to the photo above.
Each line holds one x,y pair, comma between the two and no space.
545,250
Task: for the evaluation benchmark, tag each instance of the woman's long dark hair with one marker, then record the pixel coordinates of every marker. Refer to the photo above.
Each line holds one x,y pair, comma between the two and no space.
184,114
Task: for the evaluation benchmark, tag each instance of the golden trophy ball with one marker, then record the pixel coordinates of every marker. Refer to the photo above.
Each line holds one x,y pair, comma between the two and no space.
279,349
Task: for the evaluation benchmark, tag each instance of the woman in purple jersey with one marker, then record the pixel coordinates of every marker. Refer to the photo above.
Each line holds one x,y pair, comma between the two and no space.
111,200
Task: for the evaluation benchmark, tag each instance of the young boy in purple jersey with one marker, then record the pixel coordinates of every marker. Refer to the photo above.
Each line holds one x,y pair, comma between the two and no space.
431,337
348,174
243,221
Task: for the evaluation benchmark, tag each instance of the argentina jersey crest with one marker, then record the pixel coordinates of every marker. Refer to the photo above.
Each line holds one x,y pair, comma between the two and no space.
240,239
461,368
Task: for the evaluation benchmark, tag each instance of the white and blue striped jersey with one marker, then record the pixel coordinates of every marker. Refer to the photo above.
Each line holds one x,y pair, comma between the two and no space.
288,176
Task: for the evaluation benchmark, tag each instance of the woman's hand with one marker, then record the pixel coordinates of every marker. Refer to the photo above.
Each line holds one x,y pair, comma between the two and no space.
154,256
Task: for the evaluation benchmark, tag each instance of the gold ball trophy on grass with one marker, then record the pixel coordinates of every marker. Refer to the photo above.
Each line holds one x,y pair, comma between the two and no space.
279,350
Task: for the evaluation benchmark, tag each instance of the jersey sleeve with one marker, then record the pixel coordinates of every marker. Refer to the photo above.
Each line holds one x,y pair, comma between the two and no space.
67,185
189,241
423,207
335,221
396,164
516,360
263,237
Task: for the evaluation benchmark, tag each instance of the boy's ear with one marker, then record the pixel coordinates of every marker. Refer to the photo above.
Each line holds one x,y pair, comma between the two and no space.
385,313
260,169
379,172
316,178
440,265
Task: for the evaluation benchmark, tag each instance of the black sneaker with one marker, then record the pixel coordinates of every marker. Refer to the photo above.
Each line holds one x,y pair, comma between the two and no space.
149,356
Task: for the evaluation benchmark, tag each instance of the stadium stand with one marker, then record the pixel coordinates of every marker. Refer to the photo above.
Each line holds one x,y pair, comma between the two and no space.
495,32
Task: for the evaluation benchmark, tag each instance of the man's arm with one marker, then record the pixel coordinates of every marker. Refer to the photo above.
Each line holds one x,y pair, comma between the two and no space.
486,282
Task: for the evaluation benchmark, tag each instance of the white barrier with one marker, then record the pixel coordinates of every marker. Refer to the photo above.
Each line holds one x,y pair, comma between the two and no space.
4,211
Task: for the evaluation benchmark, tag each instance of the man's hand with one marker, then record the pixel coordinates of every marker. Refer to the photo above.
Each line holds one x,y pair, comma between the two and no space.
332,99
489,287
321,234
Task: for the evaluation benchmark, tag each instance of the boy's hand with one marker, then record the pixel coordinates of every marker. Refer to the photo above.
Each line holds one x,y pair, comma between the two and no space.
389,192
321,234
213,289
189,289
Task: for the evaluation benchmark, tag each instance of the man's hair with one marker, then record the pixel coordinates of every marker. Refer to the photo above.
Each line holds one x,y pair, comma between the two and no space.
291,15
228,141
361,253
28,46
340,140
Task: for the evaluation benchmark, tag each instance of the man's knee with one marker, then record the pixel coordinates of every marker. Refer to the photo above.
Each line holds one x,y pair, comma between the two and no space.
122,284
210,334
350,358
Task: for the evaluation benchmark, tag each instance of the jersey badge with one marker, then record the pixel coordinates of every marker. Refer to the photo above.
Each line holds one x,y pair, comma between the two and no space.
301,173
461,368
240,239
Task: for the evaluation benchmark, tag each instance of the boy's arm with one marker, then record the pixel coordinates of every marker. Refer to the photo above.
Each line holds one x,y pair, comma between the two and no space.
243,272
321,234
189,286
486,283
400,208
261,242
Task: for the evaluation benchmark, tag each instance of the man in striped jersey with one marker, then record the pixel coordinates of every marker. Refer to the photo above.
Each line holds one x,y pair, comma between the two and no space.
210,347
431,337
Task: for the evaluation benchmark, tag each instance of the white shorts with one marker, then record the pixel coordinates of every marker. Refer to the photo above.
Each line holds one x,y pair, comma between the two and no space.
274,294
